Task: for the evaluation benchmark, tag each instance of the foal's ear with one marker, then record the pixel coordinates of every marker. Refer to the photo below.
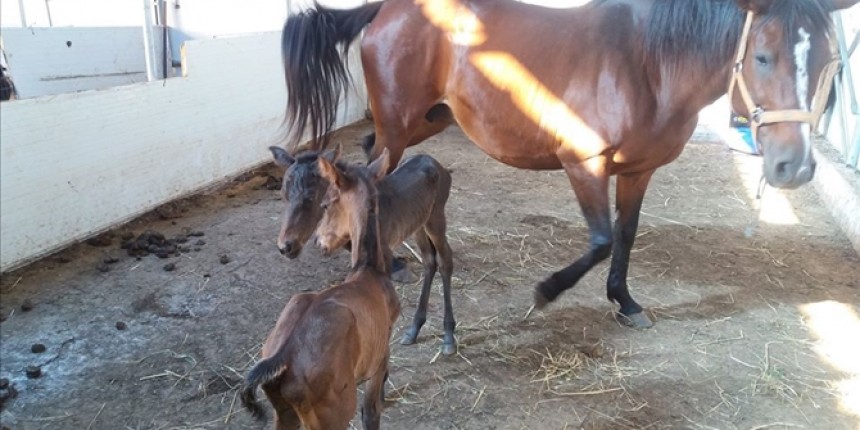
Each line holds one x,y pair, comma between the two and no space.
379,167
756,6
331,173
332,154
281,156
831,5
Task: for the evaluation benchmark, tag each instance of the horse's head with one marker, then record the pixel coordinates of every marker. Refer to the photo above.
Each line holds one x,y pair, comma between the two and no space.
782,79
351,195
302,190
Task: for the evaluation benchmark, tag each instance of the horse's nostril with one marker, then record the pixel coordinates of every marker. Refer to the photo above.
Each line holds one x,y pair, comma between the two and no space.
283,251
781,170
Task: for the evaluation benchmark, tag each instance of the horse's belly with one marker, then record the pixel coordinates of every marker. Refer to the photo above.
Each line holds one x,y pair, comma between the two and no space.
517,145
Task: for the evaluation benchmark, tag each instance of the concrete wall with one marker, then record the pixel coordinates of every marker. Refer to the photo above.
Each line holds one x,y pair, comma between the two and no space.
75,164
57,60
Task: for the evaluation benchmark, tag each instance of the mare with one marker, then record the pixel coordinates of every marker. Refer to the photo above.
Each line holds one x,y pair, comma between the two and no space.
412,201
610,88
325,343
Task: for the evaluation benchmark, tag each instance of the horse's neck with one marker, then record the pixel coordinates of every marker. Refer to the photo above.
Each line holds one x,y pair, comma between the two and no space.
679,101
367,251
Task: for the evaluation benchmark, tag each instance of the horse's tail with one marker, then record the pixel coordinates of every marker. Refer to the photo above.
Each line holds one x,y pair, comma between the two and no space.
315,70
261,373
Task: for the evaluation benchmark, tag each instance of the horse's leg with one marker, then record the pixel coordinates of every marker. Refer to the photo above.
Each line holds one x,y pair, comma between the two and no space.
285,415
437,227
287,419
435,120
590,182
629,192
371,411
428,255
335,410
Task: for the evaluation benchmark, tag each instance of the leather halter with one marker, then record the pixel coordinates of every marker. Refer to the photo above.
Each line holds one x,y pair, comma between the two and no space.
758,116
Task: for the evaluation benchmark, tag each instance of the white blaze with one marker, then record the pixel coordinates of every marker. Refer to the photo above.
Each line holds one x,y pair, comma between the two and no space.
801,59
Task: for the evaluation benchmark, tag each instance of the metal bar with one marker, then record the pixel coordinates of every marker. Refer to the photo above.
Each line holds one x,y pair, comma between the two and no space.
23,13
854,157
846,64
148,42
48,10
163,7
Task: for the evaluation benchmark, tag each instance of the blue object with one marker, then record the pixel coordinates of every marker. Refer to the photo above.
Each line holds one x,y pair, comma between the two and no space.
741,140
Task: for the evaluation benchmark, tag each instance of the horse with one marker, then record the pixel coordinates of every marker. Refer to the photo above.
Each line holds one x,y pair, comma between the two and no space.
7,86
325,343
610,88
412,201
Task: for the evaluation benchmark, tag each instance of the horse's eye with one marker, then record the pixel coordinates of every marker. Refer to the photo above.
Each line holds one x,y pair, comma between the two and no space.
761,60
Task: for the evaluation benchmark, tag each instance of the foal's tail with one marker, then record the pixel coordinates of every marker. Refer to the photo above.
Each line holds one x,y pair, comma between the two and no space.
261,373
316,72
273,366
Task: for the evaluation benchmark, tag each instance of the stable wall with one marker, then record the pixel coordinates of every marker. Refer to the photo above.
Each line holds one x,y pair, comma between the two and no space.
73,165
57,60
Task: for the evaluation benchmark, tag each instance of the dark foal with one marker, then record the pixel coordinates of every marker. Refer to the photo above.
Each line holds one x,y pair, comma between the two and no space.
326,343
412,201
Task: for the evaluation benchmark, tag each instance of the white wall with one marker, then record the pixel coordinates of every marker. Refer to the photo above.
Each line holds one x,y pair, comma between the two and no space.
56,60
72,165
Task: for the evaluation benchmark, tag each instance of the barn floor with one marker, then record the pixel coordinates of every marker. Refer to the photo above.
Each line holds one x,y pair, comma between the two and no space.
751,333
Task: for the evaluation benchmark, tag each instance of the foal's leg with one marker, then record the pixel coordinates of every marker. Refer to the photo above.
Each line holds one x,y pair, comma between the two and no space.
629,192
590,181
371,411
437,229
335,410
428,255
285,416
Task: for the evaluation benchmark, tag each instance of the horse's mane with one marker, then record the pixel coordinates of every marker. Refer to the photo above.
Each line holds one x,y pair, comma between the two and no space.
705,33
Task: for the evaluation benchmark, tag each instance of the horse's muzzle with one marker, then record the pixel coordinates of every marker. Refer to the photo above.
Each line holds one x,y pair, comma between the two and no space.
789,174
290,249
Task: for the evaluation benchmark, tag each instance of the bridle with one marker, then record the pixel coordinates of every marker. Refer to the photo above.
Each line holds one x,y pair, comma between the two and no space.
758,116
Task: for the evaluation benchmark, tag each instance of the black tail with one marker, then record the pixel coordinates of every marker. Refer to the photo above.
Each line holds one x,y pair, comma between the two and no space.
261,373
314,68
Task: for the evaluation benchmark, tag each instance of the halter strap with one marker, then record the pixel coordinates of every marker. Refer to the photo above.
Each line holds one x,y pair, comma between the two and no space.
758,116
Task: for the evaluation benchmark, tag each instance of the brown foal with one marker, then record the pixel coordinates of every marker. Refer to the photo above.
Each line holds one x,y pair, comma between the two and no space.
412,201
326,343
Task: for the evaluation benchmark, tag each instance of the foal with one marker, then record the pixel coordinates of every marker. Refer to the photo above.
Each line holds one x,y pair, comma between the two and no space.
412,201
326,343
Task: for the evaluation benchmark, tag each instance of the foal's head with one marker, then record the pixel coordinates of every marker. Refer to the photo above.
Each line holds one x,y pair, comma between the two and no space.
302,191
783,79
350,198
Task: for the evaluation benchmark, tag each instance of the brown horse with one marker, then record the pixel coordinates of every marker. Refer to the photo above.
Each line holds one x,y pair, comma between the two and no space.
412,202
325,343
610,88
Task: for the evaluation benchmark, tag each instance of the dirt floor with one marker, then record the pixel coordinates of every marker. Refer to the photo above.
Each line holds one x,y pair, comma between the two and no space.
734,346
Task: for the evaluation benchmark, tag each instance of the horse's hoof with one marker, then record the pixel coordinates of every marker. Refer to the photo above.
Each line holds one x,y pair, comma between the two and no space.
408,339
540,300
638,320
449,348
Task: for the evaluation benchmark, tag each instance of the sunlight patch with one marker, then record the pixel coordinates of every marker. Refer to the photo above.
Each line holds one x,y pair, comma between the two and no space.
538,103
836,325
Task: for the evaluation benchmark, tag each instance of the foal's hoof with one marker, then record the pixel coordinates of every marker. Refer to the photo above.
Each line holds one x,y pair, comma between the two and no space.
408,338
449,348
638,320
540,299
